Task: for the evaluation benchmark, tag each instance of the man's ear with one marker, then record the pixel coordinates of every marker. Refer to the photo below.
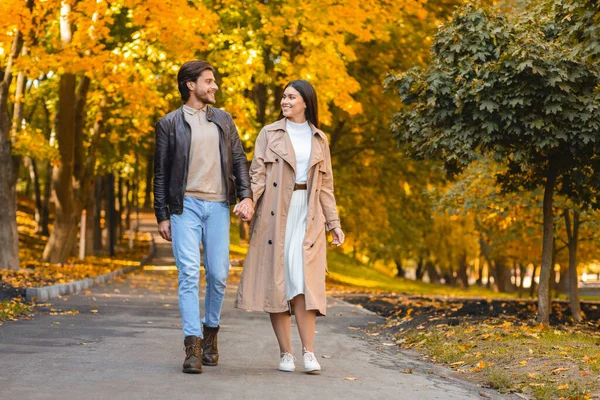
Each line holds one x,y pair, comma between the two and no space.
190,85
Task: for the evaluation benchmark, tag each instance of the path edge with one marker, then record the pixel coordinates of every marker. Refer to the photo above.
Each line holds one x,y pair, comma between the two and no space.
45,293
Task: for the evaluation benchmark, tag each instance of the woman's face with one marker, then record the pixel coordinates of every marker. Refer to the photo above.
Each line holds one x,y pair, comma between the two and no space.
293,105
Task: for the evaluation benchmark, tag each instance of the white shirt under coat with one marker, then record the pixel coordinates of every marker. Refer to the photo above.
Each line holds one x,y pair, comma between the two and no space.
301,137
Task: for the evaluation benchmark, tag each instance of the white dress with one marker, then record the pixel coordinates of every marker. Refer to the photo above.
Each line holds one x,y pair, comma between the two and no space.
295,230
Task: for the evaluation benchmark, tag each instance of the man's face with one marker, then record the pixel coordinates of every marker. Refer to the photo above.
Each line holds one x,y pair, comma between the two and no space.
204,88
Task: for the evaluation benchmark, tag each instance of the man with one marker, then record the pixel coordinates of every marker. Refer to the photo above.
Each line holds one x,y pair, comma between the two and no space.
199,164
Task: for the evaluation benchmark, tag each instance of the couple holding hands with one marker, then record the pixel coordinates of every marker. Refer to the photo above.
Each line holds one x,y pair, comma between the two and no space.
286,193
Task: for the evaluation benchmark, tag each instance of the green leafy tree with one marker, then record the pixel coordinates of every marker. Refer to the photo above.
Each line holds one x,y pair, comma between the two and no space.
497,86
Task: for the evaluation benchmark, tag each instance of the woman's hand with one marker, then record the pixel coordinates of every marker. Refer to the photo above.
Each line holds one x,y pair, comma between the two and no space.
338,236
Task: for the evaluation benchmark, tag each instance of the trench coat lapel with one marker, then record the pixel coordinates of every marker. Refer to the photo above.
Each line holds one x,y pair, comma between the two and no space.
316,151
281,143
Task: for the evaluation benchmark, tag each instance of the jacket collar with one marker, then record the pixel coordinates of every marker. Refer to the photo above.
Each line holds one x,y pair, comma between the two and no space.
210,116
282,145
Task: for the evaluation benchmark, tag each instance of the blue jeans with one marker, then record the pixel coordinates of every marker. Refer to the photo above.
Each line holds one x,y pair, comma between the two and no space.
206,222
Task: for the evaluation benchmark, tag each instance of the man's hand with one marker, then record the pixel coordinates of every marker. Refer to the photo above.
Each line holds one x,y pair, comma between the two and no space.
244,209
164,228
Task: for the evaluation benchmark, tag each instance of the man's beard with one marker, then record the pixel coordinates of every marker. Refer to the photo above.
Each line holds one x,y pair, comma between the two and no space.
206,99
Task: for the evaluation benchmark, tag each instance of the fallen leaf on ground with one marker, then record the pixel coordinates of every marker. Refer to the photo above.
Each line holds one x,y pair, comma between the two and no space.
558,370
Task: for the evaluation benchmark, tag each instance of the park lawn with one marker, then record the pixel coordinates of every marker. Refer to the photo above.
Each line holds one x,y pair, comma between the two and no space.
545,363
345,273
496,342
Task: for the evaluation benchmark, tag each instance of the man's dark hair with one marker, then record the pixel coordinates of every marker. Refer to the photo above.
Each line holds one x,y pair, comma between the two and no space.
309,95
190,72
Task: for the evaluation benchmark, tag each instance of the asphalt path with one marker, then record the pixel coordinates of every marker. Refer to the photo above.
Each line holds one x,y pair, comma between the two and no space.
123,340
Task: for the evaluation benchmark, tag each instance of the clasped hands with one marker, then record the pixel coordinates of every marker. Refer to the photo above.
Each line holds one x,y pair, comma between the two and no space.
244,209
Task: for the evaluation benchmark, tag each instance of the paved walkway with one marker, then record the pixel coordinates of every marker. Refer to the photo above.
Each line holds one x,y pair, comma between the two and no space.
126,343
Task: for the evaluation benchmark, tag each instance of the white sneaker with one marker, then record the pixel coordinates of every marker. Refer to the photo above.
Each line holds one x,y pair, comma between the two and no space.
287,363
311,365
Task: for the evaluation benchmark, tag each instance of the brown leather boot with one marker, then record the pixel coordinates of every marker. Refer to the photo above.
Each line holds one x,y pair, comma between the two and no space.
193,355
210,355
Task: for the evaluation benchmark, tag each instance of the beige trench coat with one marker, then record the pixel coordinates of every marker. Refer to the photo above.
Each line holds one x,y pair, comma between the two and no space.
272,176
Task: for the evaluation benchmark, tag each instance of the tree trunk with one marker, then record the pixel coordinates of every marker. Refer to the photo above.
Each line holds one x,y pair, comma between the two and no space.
562,286
112,214
128,204
400,272
87,176
544,302
420,269
119,216
553,283
80,100
43,228
260,99
432,272
479,281
485,252
98,214
532,287
136,201
90,220
463,276
503,275
522,273
515,273
449,277
9,235
31,165
64,235
573,237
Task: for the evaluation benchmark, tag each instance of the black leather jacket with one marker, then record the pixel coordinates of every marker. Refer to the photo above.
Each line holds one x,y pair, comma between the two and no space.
171,161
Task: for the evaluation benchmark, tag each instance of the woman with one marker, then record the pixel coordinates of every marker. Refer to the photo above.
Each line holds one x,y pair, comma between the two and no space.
292,182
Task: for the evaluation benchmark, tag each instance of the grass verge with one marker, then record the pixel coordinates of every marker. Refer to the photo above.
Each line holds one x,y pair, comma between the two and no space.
545,363
10,310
